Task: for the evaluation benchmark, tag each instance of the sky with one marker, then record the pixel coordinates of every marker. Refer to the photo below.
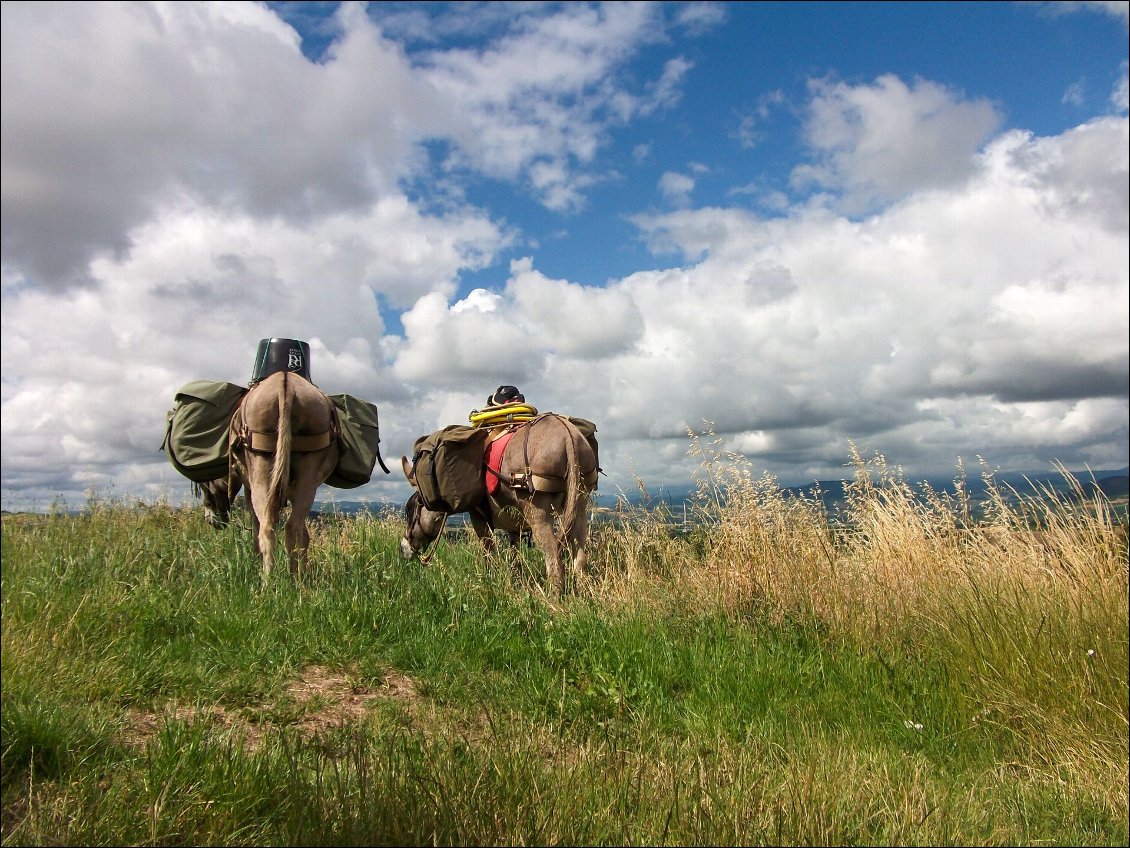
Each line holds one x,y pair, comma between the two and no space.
803,229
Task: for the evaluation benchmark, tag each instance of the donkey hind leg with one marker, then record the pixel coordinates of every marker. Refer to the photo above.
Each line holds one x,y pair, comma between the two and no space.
305,468
264,511
577,538
298,533
485,532
539,518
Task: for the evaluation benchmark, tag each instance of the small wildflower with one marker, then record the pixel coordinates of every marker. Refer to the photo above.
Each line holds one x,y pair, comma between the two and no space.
912,725
1090,652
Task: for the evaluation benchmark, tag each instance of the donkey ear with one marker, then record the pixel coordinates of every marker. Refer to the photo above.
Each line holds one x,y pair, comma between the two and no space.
409,471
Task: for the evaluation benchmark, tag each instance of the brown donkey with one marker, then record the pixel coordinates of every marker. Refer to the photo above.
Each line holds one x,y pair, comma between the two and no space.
547,472
283,444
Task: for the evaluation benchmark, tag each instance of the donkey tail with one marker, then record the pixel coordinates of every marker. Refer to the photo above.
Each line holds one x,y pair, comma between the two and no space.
574,484
280,469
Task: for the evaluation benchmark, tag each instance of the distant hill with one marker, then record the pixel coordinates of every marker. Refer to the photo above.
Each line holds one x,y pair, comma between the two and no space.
1113,484
1115,488
354,507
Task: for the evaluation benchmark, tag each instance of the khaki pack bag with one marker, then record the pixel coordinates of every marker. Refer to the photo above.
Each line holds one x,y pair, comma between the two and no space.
360,437
196,433
448,467
588,430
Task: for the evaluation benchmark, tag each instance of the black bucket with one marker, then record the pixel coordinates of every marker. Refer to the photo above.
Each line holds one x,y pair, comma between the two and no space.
281,355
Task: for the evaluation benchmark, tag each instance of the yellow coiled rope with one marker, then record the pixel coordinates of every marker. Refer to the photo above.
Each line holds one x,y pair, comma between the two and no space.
510,412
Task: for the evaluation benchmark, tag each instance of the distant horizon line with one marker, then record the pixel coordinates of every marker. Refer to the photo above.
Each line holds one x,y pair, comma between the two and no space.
683,491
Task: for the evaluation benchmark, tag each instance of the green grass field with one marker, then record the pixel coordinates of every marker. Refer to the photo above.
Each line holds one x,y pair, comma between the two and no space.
899,676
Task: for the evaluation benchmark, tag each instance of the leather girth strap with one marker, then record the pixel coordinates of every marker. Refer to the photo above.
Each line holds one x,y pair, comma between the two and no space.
541,483
305,443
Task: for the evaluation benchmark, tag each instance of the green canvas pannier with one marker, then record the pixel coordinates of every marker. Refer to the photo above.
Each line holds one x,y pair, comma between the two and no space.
588,430
448,467
196,432
360,437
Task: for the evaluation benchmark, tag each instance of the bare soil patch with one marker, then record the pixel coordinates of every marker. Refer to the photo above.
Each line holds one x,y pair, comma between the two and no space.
320,700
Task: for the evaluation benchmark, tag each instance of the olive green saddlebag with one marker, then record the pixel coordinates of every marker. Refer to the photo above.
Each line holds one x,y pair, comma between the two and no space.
448,468
196,432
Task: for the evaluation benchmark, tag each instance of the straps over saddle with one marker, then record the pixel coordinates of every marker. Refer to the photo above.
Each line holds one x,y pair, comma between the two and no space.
267,442
525,480
304,443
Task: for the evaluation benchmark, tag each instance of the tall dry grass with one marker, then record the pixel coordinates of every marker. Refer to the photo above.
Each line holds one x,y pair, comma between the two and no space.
1019,601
